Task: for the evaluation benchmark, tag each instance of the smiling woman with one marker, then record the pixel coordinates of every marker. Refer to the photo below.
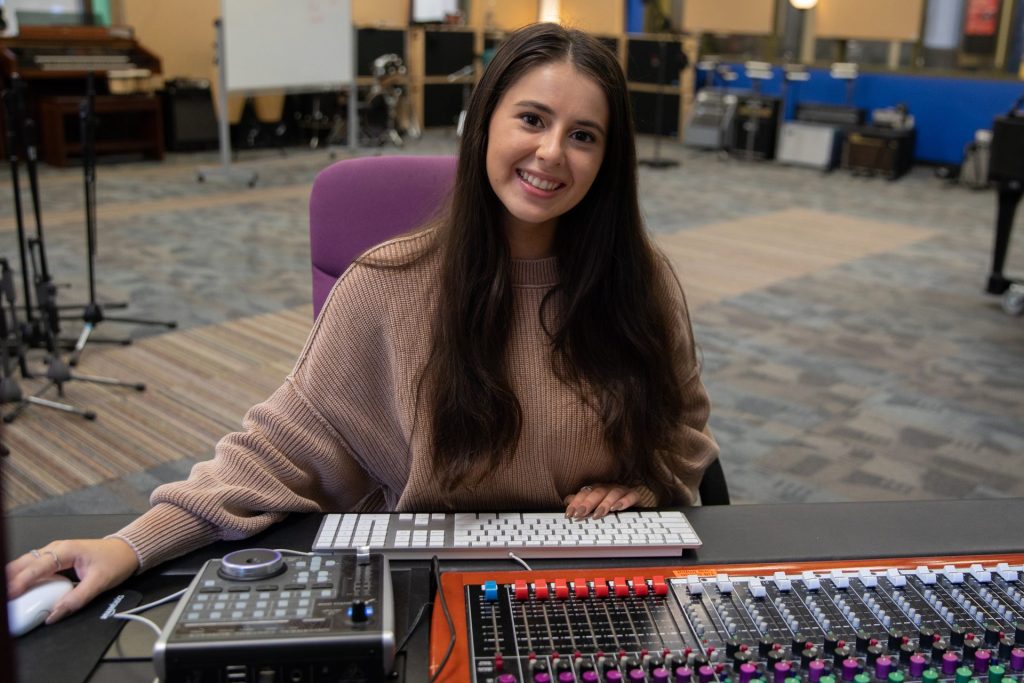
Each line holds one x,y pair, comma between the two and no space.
528,349
546,146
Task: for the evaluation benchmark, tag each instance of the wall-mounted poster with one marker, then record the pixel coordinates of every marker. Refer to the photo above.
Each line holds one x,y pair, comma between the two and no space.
982,18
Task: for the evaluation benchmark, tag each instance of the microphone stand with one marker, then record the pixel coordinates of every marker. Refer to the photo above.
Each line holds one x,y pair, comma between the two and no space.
13,109
93,314
10,390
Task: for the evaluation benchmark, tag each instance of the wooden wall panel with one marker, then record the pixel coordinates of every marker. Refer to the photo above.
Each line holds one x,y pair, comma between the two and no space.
503,15
181,33
756,17
595,16
869,19
393,13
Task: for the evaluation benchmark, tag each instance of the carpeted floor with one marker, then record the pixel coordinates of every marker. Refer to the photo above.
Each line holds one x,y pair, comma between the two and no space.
847,346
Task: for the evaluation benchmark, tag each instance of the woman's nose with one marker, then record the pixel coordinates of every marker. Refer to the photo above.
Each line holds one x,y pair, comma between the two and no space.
550,148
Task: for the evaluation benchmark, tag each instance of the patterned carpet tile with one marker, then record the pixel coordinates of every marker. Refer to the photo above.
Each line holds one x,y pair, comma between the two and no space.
199,383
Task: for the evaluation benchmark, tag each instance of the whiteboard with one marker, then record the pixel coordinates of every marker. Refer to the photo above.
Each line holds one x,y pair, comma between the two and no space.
297,45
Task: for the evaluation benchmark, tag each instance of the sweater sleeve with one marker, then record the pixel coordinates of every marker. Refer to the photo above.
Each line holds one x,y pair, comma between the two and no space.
285,460
291,456
697,445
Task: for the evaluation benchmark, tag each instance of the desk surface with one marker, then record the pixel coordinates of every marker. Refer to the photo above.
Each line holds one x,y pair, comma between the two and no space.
731,534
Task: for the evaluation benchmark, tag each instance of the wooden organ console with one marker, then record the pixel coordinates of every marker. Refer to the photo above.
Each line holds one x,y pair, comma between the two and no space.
55,61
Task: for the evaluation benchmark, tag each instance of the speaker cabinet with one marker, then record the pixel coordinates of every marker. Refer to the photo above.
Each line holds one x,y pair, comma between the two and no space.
755,126
445,52
645,112
1007,161
442,103
878,151
189,120
373,43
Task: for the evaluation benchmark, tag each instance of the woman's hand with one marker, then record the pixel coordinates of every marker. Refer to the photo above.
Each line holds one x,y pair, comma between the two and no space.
598,500
100,565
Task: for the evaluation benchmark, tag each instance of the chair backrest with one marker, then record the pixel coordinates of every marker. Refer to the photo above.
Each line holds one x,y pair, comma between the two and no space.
359,203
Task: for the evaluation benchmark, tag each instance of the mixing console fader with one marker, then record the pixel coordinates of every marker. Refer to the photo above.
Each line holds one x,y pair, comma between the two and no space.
944,621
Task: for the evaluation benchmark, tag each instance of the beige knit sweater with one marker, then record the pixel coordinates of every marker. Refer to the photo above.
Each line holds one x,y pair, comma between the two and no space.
338,436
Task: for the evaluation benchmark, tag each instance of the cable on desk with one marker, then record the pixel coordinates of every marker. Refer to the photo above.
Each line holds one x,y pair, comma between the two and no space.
288,551
520,561
133,614
435,567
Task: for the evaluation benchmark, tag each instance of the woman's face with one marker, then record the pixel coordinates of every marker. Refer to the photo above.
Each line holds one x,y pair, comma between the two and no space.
546,142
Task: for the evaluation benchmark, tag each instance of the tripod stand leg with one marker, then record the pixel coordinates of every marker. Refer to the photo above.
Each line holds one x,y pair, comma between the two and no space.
138,386
80,343
171,324
46,403
35,400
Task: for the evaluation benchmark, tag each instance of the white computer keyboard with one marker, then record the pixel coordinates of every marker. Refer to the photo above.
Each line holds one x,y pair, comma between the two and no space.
491,535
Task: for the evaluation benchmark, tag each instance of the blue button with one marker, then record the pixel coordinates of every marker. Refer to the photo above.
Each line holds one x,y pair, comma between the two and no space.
491,591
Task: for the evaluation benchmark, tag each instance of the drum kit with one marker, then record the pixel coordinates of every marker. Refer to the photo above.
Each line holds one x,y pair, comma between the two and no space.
386,116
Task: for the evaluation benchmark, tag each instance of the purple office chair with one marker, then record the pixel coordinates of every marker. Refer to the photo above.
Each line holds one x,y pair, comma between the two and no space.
359,203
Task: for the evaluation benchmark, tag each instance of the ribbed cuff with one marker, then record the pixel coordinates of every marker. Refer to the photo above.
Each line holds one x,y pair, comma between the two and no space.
165,532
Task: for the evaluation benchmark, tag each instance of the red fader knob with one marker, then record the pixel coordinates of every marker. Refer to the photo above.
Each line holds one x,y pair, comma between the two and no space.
640,586
582,589
600,588
620,587
561,589
660,587
522,591
540,589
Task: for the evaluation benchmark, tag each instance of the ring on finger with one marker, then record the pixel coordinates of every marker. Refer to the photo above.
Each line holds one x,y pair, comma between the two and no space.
35,553
56,558
588,488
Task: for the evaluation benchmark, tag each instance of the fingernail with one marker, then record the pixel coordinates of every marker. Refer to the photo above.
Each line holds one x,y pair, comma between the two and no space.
616,507
55,616
600,512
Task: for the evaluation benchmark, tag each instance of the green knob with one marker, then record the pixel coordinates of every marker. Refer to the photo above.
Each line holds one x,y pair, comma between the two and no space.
861,678
930,676
827,679
963,674
896,677
996,673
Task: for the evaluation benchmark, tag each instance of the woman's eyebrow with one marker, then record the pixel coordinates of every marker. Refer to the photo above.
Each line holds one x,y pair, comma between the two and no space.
534,104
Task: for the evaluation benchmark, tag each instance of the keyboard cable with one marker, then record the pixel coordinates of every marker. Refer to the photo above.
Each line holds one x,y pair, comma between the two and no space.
520,561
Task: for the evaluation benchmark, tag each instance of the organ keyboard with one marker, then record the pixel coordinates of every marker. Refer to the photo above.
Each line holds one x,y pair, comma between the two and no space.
70,53
54,63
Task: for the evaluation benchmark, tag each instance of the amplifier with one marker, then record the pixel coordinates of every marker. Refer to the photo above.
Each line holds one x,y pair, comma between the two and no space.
710,123
1006,163
256,615
189,120
882,151
755,125
831,114
809,144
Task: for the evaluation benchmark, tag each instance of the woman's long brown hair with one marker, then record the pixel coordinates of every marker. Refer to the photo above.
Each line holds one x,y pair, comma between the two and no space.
617,325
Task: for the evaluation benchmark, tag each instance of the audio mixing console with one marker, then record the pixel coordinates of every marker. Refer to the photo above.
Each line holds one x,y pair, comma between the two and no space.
933,620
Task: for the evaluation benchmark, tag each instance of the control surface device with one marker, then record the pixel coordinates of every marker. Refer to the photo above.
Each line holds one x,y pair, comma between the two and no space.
258,615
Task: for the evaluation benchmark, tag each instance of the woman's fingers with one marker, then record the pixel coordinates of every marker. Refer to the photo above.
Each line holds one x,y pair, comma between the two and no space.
600,499
99,564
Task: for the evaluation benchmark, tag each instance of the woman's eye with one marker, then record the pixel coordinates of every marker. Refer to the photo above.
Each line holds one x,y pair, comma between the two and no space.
583,136
530,119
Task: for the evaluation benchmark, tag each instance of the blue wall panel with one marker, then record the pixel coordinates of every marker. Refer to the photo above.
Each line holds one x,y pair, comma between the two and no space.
947,110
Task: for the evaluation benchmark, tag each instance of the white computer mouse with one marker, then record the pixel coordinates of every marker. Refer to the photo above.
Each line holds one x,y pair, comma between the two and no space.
31,608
